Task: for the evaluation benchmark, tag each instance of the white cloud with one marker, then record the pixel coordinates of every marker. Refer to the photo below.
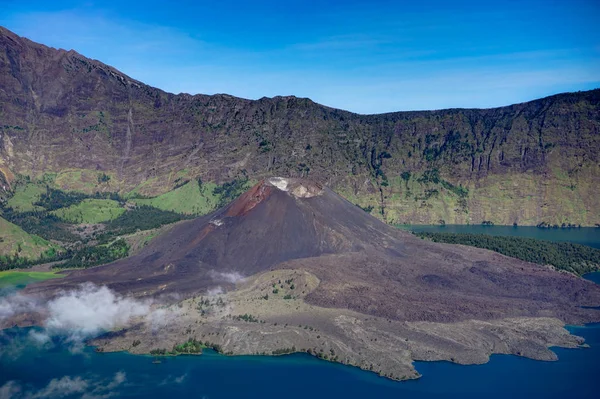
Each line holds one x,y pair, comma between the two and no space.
118,379
15,304
66,386
180,379
40,338
162,317
214,291
10,390
229,277
80,314
91,310
174,380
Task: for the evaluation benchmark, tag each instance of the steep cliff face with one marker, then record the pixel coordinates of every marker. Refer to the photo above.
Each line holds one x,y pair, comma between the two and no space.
86,126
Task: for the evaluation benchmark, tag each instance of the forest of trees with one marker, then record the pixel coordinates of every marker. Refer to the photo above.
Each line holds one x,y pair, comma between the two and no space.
8,262
75,258
141,217
95,255
54,199
229,191
575,258
41,223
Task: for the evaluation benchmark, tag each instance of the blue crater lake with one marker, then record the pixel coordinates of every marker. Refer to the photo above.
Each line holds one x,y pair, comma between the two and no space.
595,277
27,369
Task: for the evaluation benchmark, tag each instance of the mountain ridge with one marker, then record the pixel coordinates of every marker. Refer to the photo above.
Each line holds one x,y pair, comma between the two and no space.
6,32
69,119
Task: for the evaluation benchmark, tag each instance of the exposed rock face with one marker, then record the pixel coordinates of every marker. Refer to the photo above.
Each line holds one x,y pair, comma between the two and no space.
299,188
525,163
384,346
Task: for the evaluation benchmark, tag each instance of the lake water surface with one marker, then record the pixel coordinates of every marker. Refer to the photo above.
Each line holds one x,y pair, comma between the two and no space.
30,369
584,235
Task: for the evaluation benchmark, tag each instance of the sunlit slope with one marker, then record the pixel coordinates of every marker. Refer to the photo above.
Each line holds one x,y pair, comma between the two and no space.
15,241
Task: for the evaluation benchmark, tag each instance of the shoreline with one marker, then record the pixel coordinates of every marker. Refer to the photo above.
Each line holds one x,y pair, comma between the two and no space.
303,358
242,323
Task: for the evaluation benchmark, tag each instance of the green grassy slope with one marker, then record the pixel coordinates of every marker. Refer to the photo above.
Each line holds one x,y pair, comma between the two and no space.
11,278
189,199
91,211
25,196
14,240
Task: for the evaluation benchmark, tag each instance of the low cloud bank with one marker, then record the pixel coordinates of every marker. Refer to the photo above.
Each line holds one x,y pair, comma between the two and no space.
162,317
83,313
88,309
71,318
91,310
16,303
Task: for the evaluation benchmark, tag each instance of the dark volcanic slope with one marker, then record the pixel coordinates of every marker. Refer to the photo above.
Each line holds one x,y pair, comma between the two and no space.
526,163
264,227
363,264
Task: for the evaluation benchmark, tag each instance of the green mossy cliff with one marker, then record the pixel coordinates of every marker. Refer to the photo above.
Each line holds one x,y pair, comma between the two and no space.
92,128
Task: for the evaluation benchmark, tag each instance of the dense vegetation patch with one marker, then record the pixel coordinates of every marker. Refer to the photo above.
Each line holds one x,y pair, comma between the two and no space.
141,217
16,245
284,351
191,346
229,191
8,262
574,258
41,223
52,210
247,317
83,257
52,213
54,199
96,255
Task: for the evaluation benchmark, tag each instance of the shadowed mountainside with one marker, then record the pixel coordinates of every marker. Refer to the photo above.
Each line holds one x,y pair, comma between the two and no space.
362,264
71,119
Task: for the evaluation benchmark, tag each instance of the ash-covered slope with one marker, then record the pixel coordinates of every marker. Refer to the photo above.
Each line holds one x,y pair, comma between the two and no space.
362,264
275,221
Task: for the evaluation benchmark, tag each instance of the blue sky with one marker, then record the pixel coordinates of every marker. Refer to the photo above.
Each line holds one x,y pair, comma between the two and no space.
363,56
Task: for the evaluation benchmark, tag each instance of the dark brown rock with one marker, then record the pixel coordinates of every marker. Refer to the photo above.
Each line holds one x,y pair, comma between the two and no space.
60,110
362,263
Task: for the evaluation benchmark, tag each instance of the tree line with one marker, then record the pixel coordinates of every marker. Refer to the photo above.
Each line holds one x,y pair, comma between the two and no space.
83,257
574,258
